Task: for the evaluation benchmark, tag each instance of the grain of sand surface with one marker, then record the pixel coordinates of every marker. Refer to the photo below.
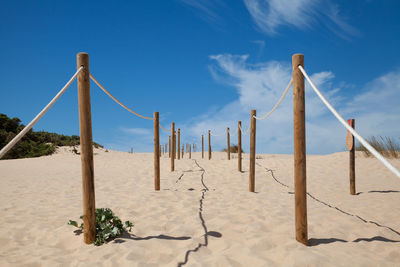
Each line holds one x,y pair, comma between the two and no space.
203,215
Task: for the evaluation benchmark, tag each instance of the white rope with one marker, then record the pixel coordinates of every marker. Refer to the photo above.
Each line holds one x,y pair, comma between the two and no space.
119,102
277,104
233,135
244,133
216,135
21,134
350,129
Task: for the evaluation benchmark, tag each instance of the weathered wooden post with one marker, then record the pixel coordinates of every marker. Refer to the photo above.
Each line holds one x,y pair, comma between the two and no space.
239,146
172,147
252,169
209,144
228,143
190,151
179,143
183,149
85,126
202,146
169,146
299,131
352,153
160,151
156,151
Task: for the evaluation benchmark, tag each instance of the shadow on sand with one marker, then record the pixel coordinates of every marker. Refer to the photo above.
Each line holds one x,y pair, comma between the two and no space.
320,241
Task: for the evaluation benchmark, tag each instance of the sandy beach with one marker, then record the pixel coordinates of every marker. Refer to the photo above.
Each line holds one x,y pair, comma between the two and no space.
203,215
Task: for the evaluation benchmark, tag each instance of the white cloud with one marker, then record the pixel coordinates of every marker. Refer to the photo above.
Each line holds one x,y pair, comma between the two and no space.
137,131
269,15
206,9
259,86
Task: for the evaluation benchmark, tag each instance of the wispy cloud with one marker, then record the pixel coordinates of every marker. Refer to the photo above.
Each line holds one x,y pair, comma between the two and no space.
259,86
206,9
137,131
269,15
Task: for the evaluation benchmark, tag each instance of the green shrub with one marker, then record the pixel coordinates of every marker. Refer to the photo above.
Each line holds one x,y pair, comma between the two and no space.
33,144
108,226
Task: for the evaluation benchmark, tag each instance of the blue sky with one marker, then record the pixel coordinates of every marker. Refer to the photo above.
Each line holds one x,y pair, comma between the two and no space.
204,65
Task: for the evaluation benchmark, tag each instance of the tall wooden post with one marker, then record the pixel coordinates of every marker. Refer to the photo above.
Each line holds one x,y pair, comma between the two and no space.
156,151
172,147
299,130
169,146
190,151
209,144
352,153
228,143
252,169
179,143
202,146
239,146
85,125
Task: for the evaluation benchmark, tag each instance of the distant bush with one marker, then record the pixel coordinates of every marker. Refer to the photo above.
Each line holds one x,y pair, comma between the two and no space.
33,144
387,146
234,149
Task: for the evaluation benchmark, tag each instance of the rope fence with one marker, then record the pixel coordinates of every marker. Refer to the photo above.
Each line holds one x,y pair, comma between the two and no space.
277,104
166,130
116,100
299,140
350,129
244,133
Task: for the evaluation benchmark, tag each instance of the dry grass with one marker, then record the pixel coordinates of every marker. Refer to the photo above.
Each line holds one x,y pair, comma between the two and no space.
233,148
387,146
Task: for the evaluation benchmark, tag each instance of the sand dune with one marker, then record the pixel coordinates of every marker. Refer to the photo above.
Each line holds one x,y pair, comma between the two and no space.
203,215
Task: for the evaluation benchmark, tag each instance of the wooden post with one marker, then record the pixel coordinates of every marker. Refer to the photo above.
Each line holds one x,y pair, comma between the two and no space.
352,153
160,151
156,116
183,149
252,169
209,144
202,146
190,151
299,131
85,125
172,147
228,143
179,143
239,146
169,146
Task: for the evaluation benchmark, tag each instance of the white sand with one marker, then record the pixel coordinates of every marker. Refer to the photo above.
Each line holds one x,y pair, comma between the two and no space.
38,196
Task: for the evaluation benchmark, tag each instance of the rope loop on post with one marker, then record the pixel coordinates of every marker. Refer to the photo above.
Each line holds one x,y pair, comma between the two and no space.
116,100
277,104
350,129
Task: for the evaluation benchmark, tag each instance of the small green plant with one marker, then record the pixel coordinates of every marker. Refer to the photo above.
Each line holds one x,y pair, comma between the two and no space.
108,226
